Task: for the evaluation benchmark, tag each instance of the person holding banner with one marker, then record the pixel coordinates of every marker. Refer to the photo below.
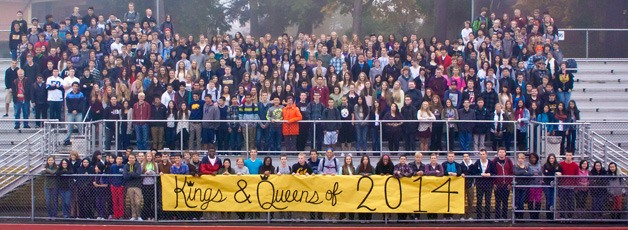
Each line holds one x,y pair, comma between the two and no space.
484,185
348,169
302,168
451,168
433,169
402,170
329,166
365,169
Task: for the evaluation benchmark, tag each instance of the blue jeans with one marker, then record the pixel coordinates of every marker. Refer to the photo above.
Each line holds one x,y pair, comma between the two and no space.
55,109
376,140
141,135
465,139
521,195
66,196
23,108
78,117
235,140
360,134
262,134
275,139
208,135
564,97
52,201
549,201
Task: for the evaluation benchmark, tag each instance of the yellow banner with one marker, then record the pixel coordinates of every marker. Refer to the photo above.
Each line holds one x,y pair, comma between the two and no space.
353,194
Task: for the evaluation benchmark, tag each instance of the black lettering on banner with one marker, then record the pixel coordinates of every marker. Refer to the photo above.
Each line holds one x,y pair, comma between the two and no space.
361,205
331,195
191,194
247,197
268,204
449,192
420,180
386,192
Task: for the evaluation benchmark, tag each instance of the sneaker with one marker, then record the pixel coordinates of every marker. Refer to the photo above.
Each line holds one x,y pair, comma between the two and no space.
66,143
27,127
470,218
16,127
132,218
5,115
139,218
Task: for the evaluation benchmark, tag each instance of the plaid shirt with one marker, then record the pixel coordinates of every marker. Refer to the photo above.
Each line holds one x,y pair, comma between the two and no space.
337,63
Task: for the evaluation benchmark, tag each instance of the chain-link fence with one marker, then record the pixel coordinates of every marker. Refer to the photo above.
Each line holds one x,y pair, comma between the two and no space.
85,195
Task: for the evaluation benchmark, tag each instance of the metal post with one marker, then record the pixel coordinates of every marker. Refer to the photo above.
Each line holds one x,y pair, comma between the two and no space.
544,148
155,197
555,195
116,129
447,130
246,137
590,140
605,155
514,145
314,137
181,141
381,139
32,197
514,206
268,217
587,44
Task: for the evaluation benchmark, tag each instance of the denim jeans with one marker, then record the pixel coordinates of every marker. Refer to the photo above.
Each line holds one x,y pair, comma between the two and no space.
41,112
564,97
375,133
521,195
262,134
66,196
549,201
208,135
141,135
78,117
55,109
235,140
275,138
360,133
465,139
52,201
23,108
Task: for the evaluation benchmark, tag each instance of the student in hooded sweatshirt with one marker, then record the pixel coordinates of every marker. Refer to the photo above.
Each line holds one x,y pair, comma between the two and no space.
84,189
117,188
100,187
298,169
503,167
133,181
63,184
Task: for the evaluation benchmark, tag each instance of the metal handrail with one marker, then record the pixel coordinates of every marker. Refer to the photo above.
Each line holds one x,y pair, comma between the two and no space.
20,143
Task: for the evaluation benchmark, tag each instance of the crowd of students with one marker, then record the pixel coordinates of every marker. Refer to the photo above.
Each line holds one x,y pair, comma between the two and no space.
128,189
136,69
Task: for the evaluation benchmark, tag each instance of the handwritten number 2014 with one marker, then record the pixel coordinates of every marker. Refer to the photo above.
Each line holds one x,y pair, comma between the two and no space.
420,180
449,192
361,205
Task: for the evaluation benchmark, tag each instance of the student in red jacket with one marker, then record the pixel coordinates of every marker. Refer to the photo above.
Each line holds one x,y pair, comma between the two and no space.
503,167
566,186
210,163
